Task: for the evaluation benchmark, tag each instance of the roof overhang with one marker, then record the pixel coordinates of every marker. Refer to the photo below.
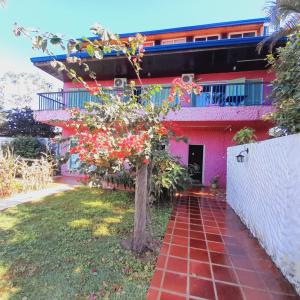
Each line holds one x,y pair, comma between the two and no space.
171,60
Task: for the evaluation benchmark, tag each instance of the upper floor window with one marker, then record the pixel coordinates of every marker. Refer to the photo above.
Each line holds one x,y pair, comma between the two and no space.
239,35
149,44
173,41
206,38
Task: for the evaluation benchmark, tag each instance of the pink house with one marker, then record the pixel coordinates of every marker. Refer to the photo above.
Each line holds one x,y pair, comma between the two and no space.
221,57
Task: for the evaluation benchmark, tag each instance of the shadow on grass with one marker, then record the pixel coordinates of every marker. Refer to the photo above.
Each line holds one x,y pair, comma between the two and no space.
67,247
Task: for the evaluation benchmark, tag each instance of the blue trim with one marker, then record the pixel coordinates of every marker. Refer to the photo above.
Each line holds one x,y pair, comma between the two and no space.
196,27
165,48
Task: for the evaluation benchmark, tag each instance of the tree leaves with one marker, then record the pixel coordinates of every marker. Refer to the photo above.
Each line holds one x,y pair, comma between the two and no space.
90,50
286,86
21,122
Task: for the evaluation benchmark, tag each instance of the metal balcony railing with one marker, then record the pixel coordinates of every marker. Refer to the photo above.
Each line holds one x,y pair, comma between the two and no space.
245,93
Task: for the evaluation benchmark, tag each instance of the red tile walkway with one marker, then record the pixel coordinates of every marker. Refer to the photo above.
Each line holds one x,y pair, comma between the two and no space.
207,253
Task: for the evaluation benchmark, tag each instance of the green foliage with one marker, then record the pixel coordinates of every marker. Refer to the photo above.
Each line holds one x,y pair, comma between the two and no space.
286,86
169,177
100,176
67,246
21,122
28,147
245,136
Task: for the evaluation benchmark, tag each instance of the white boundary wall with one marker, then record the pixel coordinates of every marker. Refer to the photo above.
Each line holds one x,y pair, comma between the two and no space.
264,191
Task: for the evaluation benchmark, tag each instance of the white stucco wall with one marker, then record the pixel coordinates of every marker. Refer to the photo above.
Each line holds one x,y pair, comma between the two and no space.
265,192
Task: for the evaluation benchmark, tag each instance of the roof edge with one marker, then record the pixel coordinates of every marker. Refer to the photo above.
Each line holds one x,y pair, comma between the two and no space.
162,48
194,27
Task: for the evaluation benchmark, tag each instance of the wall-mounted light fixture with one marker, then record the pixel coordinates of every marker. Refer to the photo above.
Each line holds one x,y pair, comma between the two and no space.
240,157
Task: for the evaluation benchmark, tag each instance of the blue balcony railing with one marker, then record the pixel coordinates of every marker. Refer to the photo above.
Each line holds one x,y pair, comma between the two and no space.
217,94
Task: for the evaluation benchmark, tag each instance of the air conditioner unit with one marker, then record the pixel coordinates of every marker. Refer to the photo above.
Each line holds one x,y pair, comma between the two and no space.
120,82
187,78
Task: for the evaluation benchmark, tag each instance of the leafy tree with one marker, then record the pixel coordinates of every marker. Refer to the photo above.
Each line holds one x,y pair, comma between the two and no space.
21,122
123,131
284,17
286,86
118,135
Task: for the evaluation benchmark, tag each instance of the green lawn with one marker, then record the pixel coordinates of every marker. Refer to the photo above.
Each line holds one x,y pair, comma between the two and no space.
67,247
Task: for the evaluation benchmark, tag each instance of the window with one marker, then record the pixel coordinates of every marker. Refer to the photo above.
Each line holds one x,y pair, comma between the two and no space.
239,35
173,41
149,44
248,34
206,38
200,39
236,36
74,162
212,37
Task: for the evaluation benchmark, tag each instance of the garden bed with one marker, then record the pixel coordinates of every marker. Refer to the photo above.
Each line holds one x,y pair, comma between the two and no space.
68,247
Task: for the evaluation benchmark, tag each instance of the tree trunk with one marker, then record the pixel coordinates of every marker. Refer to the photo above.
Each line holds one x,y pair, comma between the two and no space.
140,235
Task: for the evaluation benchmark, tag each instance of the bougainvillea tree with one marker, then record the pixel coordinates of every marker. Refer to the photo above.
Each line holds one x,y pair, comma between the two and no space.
122,129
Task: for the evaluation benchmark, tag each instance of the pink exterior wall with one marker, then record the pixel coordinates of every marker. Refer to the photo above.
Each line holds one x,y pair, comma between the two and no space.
215,142
212,127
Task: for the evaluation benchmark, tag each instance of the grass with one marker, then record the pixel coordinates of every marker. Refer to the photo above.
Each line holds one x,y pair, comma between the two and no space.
67,246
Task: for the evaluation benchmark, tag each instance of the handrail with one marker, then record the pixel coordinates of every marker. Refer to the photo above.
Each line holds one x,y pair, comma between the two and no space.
222,94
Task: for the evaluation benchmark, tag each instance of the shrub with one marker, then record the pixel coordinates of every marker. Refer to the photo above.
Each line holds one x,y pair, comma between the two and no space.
245,136
286,87
169,177
28,147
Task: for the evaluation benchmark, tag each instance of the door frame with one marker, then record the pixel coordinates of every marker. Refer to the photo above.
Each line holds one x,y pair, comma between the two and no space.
203,159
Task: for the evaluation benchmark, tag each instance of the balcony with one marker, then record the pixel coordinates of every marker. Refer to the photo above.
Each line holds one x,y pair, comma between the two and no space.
248,93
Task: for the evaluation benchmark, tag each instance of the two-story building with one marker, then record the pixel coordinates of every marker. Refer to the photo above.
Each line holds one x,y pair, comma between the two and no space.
221,57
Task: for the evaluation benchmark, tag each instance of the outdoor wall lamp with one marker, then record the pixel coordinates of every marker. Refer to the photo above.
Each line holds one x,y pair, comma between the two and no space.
240,157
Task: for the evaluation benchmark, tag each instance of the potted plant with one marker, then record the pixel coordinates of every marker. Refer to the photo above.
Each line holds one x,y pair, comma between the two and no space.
245,136
215,182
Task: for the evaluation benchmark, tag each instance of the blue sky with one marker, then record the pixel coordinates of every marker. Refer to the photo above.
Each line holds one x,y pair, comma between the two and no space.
73,19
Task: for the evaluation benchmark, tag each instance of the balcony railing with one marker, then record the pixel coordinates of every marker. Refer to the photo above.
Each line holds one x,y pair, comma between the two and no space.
218,94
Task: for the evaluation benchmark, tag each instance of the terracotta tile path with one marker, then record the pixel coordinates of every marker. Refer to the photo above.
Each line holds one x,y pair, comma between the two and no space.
207,253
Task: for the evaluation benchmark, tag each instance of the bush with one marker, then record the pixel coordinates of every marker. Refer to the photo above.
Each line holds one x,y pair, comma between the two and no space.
245,136
28,147
169,177
286,86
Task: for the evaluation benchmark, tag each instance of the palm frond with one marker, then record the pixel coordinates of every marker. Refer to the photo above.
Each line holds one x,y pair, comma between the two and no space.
287,7
284,16
274,38
271,11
